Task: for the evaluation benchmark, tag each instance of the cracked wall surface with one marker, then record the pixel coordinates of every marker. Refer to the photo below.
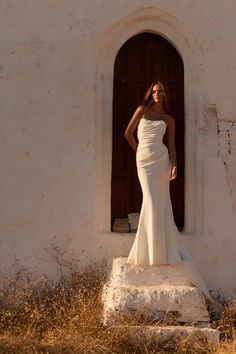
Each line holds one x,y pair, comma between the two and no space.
219,154
220,142
226,149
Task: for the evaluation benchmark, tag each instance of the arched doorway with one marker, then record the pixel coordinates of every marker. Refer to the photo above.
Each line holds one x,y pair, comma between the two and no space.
141,60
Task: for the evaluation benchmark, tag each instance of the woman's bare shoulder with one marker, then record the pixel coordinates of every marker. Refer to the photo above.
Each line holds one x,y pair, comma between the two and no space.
141,108
140,111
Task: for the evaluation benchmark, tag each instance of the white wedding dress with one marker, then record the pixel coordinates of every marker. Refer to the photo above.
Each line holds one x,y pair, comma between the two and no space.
158,240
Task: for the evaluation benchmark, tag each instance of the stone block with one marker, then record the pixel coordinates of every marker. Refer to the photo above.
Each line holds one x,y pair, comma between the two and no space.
124,273
162,334
133,221
152,294
121,225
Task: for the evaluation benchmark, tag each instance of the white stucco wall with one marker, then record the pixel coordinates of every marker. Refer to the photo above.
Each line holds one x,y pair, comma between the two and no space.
56,111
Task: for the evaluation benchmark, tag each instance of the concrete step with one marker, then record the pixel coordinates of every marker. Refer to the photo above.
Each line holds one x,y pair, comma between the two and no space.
161,334
152,294
178,305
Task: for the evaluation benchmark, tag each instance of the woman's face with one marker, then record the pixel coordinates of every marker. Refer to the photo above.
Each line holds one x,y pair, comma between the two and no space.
157,93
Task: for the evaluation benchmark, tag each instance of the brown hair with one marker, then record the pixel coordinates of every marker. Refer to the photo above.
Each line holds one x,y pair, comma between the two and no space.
148,100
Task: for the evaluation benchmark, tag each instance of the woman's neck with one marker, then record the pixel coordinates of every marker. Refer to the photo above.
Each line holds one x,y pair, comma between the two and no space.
157,107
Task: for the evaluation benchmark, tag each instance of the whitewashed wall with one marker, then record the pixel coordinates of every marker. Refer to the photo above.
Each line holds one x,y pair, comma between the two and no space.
56,111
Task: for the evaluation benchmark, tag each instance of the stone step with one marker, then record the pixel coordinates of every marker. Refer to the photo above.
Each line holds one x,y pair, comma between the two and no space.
124,273
161,334
178,305
152,294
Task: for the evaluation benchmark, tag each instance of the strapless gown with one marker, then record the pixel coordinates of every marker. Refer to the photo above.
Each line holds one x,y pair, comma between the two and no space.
158,240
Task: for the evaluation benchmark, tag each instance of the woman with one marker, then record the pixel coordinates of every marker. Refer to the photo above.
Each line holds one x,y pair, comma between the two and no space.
157,240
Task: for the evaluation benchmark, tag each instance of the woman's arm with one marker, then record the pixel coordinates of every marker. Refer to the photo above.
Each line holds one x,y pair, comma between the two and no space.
132,126
171,147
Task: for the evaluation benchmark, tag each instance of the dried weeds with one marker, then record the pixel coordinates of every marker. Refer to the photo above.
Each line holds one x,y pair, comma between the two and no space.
42,316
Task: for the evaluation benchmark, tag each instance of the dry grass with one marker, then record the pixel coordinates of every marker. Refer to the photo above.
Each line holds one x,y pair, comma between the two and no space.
38,316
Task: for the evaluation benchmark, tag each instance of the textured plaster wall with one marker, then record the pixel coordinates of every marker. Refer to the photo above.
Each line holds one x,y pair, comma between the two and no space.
50,119
219,198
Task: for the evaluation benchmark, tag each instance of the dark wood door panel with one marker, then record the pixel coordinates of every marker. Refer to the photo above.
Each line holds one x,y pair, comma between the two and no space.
142,60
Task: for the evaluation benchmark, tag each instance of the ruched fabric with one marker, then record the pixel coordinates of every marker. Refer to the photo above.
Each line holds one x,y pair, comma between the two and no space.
158,240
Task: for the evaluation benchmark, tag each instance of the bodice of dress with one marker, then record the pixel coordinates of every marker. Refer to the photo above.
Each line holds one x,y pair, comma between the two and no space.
150,141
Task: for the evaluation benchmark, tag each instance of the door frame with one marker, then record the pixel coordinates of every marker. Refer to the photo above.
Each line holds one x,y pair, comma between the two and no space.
155,21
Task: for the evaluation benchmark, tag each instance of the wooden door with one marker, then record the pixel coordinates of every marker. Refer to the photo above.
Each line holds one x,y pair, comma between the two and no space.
140,61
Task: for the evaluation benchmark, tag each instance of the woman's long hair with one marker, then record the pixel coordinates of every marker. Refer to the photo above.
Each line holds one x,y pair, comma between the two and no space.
148,100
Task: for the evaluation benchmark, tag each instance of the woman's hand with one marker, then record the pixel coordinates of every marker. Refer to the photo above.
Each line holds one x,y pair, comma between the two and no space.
173,173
